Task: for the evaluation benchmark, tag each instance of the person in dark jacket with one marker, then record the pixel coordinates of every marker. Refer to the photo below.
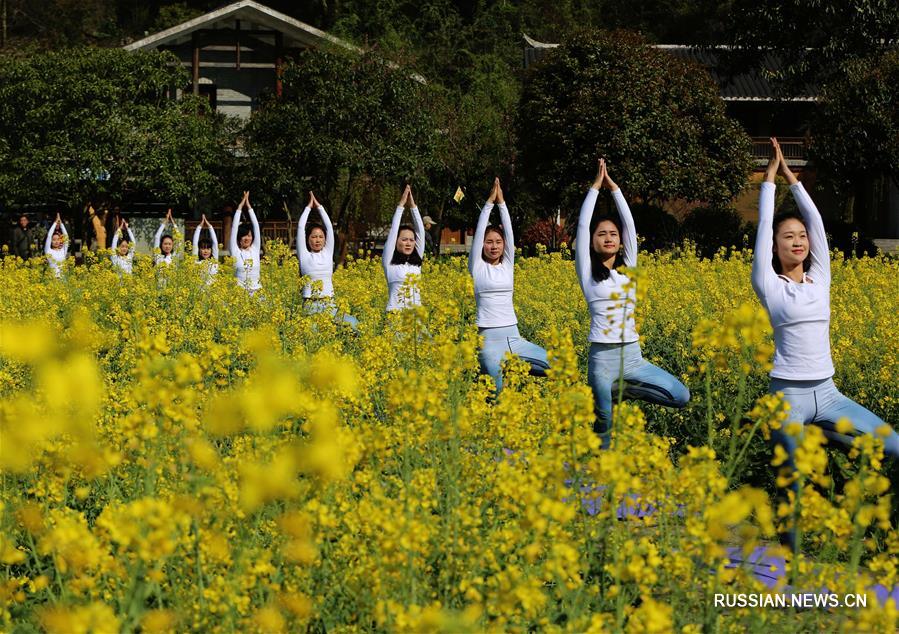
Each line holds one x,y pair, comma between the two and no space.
23,237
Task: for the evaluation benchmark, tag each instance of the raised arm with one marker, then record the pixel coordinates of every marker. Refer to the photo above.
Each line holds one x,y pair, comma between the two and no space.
509,239
195,241
390,242
257,237
48,243
628,229
477,243
215,243
583,238
419,232
329,231
302,247
820,252
763,275
157,238
232,239
115,240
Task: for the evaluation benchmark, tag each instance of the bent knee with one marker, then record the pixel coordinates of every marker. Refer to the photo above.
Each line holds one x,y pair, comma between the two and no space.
681,395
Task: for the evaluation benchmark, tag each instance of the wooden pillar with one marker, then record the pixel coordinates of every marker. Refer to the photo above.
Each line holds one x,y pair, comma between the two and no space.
279,45
237,46
195,38
3,10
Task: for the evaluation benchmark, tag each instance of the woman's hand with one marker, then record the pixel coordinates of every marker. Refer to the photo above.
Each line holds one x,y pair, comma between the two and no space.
784,168
600,174
774,163
411,198
492,197
499,192
607,180
311,202
168,216
404,199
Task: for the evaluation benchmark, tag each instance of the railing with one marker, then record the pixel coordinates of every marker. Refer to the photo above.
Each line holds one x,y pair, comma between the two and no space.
795,149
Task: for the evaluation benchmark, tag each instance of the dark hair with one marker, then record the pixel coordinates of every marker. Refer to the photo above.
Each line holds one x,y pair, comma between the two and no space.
495,229
312,226
124,239
600,271
244,230
164,236
401,258
779,218
203,243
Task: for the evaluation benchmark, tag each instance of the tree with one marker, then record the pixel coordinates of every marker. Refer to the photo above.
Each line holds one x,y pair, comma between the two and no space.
856,128
345,125
810,42
474,144
657,119
855,131
89,124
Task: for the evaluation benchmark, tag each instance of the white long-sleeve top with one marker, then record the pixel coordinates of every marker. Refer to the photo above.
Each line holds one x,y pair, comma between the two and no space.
210,266
494,284
316,266
123,262
799,312
246,261
396,273
611,305
159,258
55,257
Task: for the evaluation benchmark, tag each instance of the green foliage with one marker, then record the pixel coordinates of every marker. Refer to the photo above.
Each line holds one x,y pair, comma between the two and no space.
657,119
88,124
343,125
856,130
173,14
814,40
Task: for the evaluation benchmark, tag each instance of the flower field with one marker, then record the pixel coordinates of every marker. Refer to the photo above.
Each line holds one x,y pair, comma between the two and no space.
182,457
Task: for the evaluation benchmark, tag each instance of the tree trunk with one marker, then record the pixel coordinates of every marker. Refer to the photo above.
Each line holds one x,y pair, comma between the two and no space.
342,242
439,226
2,23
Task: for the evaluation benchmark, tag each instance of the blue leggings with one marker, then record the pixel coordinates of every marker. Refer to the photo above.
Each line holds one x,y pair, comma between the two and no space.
499,341
820,403
325,305
642,380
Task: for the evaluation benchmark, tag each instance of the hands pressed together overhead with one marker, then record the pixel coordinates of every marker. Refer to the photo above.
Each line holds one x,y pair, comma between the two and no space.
602,177
779,164
407,200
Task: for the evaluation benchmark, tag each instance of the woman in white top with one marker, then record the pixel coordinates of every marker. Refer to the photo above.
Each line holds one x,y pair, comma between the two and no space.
123,248
402,255
206,250
492,266
164,241
614,343
791,276
246,247
315,250
56,246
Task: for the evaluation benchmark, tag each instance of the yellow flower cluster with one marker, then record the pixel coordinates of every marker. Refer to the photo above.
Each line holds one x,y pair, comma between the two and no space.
186,457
